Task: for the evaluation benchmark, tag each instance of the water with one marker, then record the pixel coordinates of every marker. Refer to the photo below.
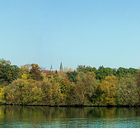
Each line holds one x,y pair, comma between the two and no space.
51,117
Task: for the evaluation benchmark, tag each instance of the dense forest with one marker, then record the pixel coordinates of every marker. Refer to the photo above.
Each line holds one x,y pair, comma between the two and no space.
85,86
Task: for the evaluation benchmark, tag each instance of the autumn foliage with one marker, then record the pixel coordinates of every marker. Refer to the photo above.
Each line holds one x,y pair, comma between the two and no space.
85,86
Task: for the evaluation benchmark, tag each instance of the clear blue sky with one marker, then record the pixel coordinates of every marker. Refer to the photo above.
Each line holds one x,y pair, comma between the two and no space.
90,32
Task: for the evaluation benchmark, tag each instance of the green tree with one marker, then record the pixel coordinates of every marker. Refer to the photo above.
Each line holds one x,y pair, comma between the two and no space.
102,72
35,72
72,76
127,93
85,88
8,72
123,72
83,68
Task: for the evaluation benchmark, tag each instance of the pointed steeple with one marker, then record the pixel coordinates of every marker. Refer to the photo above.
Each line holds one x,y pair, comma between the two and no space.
51,68
61,66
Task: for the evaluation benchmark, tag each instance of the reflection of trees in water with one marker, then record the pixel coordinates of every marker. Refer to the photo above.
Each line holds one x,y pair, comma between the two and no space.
39,115
128,112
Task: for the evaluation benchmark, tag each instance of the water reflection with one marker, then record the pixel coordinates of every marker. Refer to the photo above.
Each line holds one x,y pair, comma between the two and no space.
51,117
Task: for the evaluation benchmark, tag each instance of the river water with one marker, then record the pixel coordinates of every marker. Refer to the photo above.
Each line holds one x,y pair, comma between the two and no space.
64,117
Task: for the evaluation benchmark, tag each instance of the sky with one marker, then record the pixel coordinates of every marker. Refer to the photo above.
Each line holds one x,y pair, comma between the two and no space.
74,32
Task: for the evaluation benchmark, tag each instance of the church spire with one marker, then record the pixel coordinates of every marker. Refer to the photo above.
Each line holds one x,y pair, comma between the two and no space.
51,68
61,66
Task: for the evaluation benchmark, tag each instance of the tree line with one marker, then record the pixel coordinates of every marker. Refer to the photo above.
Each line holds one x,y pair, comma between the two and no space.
85,86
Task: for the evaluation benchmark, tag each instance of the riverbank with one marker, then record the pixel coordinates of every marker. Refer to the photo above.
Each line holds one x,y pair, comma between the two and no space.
74,106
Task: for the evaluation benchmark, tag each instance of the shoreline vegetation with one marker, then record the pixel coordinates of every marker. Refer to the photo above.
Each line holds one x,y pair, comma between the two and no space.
29,85
73,106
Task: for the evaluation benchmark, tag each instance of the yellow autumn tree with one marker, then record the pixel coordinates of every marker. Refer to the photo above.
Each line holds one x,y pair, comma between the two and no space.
1,95
108,88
